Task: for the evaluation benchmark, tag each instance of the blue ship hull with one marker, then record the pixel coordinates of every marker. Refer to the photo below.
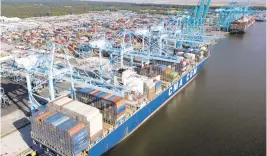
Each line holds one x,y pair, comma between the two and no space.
141,115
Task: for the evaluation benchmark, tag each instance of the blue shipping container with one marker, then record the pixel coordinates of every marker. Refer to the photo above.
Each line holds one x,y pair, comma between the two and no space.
120,109
35,114
112,97
77,151
101,94
187,51
53,118
68,124
80,143
79,135
158,83
162,67
61,120
65,126
85,90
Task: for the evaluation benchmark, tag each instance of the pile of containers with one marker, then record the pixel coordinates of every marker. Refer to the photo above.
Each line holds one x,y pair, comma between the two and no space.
251,19
183,66
242,23
190,56
150,70
169,76
81,112
112,107
149,89
158,69
204,51
59,132
132,80
158,85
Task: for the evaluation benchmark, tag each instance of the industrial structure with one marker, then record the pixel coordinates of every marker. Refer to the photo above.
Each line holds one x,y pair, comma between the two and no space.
232,12
117,71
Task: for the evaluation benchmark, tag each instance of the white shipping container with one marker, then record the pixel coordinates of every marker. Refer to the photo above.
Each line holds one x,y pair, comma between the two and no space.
87,114
96,124
157,77
56,104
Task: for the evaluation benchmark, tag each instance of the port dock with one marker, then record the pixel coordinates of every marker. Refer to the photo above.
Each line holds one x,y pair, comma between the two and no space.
80,84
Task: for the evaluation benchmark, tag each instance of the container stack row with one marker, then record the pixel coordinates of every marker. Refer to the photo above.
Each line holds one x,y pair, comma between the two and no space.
149,89
152,87
90,116
132,80
169,76
112,107
158,86
60,132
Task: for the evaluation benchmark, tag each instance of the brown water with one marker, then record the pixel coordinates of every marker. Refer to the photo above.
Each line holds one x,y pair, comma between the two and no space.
221,113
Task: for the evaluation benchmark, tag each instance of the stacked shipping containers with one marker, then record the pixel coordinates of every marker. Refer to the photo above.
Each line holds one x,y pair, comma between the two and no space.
169,76
150,89
158,85
59,132
112,107
88,115
132,80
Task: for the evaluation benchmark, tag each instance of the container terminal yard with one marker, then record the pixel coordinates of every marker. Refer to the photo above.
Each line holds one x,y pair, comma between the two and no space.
80,84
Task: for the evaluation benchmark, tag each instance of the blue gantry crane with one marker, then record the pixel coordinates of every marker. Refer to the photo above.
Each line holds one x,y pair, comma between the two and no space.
231,12
157,42
44,68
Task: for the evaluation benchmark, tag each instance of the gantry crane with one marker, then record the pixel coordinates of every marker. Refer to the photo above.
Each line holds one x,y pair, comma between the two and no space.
231,12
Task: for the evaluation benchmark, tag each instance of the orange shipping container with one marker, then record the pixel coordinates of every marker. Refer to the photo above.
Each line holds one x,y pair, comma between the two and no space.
106,96
115,99
76,129
120,102
44,116
151,95
94,91
121,114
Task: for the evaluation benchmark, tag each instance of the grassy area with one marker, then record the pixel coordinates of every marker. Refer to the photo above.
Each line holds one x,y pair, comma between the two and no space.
31,8
25,10
28,10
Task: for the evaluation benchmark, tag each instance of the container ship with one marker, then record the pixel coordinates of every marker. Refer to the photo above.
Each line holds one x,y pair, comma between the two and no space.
241,25
96,121
260,17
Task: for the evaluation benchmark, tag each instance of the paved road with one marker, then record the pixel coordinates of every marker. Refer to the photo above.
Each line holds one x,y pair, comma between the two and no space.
16,142
17,93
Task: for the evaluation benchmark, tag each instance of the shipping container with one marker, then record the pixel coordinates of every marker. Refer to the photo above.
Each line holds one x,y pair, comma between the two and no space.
109,105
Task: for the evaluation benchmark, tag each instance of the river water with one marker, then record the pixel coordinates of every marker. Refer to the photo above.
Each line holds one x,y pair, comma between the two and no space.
220,113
